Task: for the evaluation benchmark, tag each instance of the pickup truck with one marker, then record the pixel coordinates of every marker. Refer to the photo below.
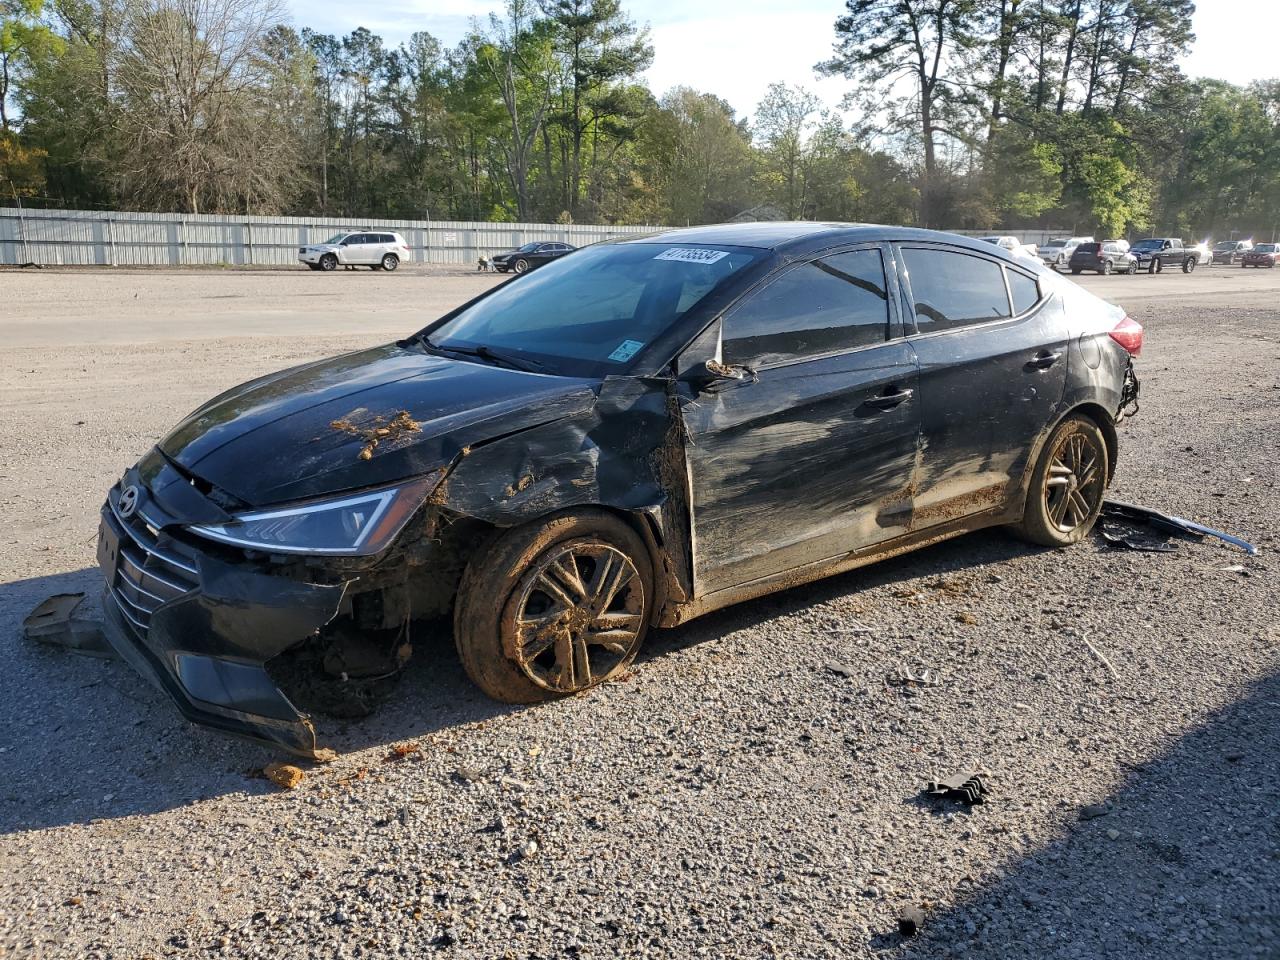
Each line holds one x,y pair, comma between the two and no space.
1156,253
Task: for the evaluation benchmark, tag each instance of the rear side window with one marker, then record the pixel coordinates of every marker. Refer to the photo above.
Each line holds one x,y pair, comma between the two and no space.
837,303
954,289
1025,291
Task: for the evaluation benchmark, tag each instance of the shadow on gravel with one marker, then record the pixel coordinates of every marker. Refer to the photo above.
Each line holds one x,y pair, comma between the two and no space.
1185,863
88,738
967,554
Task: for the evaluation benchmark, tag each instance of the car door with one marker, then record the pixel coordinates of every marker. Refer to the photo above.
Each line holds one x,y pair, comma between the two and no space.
813,454
352,249
992,347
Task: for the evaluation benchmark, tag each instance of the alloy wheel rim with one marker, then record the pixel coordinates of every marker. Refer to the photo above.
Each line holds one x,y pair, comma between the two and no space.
1073,486
577,614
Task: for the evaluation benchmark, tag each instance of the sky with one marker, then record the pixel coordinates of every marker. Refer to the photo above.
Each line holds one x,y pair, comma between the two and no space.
736,48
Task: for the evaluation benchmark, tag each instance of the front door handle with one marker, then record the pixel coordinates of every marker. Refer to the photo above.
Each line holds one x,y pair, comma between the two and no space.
1044,360
889,399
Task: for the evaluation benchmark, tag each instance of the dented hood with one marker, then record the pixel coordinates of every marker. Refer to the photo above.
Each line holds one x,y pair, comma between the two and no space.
305,432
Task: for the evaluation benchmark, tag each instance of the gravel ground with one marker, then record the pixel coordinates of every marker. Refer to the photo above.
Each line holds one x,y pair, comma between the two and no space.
733,797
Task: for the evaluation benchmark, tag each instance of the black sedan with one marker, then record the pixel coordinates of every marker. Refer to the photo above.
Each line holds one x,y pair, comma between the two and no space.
644,432
531,255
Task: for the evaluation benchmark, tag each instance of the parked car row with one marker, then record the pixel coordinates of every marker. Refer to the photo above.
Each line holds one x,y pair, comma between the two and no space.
384,251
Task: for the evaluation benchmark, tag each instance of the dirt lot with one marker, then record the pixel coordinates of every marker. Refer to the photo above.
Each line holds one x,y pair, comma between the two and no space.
734,797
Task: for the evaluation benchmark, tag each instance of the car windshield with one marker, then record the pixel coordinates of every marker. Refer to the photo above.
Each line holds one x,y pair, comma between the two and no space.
1266,248
1225,245
591,313
337,238
530,247
1055,243
1148,245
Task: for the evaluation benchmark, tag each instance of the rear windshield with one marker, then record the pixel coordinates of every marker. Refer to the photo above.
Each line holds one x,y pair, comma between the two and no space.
590,313
1087,248
1055,243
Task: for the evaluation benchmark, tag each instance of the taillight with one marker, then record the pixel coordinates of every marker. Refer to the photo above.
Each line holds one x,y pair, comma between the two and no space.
1128,333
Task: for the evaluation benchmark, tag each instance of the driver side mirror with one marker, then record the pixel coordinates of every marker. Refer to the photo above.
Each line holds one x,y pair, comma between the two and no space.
712,373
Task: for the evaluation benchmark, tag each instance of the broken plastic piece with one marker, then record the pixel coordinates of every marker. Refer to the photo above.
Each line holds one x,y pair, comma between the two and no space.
55,621
1114,535
1131,513
965,787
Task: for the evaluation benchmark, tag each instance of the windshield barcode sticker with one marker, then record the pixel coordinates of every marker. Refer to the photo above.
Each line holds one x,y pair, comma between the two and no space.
692,255
626,350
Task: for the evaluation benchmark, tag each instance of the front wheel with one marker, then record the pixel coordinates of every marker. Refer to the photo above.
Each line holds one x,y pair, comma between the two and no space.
554,607
328,262
1106,269
1067,486
521,265
1132,269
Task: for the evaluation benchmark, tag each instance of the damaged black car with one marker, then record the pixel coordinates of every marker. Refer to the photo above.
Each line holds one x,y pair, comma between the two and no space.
627,438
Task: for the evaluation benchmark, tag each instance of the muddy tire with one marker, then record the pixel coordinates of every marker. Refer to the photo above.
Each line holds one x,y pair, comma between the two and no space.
1067,486
554,607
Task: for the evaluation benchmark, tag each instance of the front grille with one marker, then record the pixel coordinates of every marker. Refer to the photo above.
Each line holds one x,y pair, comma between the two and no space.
147,575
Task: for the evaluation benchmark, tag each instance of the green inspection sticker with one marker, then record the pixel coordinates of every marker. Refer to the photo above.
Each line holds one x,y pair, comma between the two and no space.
626,350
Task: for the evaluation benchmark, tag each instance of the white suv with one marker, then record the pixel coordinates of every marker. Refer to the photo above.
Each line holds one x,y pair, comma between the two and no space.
379,251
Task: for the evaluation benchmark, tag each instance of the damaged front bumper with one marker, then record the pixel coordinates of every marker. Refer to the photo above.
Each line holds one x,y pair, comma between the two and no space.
202,629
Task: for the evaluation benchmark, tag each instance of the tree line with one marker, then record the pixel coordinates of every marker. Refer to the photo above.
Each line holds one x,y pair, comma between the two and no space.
968,114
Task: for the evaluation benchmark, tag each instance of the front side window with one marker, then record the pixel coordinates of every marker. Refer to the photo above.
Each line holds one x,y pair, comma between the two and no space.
954,289
590,314
836,303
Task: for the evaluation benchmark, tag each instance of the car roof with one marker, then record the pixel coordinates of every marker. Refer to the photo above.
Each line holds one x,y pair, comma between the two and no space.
792,237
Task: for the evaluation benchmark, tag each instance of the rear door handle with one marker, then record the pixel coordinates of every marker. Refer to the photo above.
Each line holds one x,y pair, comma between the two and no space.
1044,360
889,400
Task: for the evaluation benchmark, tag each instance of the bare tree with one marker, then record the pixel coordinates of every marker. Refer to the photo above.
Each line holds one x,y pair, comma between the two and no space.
201,127
522,66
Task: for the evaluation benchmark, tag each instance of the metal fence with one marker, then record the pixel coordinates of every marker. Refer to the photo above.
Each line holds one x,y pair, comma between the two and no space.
171,239
165,239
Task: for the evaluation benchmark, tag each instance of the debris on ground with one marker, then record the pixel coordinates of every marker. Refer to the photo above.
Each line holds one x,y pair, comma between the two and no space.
967,618
402,751
56,621
1133,515
967,788
283,774
841,668
906,677
910,921
1093,811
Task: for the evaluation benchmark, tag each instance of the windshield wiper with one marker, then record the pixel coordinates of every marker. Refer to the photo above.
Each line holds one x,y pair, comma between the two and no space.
487,353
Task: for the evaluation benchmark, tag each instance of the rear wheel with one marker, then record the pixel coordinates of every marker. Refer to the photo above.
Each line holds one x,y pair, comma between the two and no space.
1067,486
328,262
390,261
554,607
1075,271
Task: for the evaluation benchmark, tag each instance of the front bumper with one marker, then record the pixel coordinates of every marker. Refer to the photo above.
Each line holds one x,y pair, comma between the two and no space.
202,629
311,256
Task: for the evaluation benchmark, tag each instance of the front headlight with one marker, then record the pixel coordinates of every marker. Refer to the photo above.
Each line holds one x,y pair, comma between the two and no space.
357,524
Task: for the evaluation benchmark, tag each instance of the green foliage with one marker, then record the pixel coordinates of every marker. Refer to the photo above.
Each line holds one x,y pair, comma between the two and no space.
1068,114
